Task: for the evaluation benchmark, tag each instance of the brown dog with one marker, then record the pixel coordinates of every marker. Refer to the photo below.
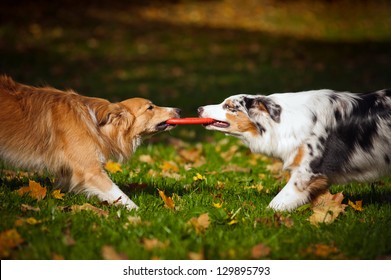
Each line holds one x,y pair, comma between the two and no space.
72,135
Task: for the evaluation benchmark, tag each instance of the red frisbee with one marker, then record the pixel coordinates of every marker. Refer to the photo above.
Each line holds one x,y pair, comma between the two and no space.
190,121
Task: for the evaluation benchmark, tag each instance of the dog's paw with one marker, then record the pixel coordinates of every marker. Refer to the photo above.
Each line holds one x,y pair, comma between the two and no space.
288,199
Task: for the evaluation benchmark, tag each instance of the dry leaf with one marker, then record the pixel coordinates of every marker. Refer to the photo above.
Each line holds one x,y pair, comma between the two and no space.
109,253
147,159
258,187
356,205
327,208
322,250
58,195
34,189
9,239
286,221
168,202
201,223
89,207
150,244
113,167
169,166
25,208
196,256
31,221
228,155
260,251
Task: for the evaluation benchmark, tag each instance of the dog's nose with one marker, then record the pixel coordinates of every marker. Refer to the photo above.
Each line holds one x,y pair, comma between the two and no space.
178,111
200,110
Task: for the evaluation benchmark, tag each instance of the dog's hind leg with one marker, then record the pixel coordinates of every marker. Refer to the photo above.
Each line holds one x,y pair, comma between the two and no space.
299,190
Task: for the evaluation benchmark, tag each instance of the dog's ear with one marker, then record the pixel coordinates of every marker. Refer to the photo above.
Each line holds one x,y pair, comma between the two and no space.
264,104
110,113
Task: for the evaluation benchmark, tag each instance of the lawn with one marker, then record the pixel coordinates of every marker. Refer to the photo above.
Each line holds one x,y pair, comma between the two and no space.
187,54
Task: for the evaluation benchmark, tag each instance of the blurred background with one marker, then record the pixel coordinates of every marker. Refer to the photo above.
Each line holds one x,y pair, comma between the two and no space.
188,53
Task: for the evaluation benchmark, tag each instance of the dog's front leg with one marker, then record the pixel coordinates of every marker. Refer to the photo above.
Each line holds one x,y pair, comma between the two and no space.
299,190
97,182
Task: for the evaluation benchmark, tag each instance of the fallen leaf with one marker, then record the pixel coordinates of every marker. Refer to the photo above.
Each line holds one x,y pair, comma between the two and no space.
58,195
322,250
9,239
34,189
327,208
201,223
146,158
57,257
258,187
193,155
196,256
260,251
228,155
26,207
150,244
109,253
199,177
218,205
282,220
89,207
169,166
113,167
356,205
232,222
168,202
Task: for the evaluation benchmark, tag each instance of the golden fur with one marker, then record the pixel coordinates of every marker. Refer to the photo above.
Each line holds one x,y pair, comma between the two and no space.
72,135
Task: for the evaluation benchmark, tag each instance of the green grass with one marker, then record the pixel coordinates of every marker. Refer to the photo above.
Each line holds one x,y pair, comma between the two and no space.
125,49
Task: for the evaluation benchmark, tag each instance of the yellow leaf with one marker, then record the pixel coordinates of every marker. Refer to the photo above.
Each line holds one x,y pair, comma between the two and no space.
113,167
218,205
57,194
196,256
356,205
34,189
198,177
89,207
327,208
9,239
232,222
168,202
201,223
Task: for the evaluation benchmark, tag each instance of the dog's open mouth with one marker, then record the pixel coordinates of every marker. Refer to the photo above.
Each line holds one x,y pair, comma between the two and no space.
219,124
164,126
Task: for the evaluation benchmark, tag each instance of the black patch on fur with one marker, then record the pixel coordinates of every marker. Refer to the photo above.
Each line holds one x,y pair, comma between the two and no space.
261,129
337,115
248,102
359,130
273,108
387,159
314,118
310,149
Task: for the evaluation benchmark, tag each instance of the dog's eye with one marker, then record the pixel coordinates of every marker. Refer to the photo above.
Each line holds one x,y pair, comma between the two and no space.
230,108
150,107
